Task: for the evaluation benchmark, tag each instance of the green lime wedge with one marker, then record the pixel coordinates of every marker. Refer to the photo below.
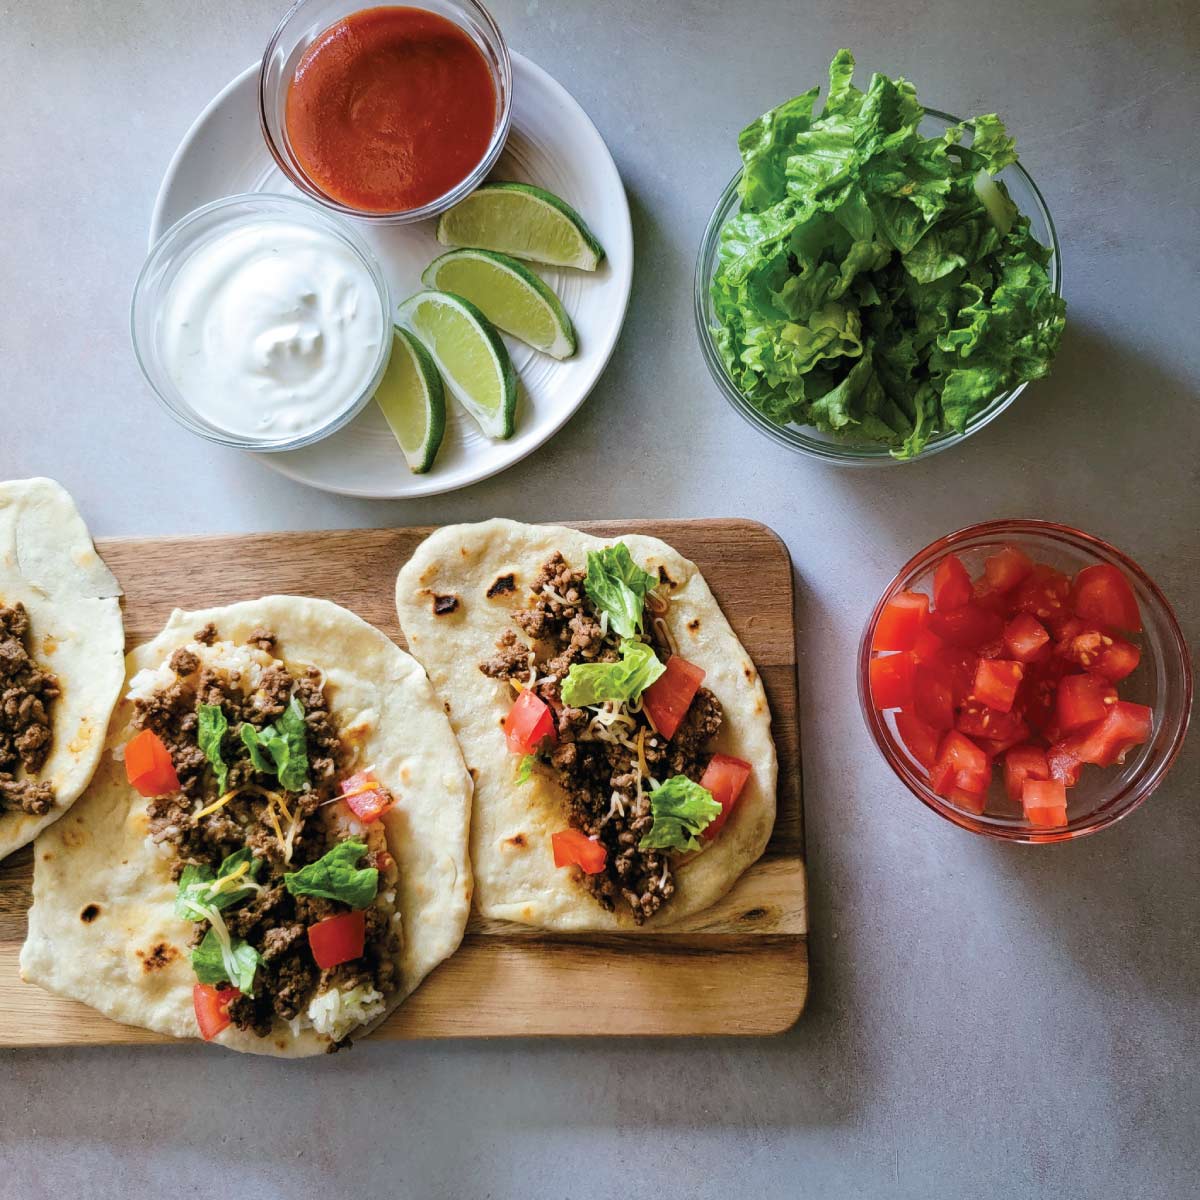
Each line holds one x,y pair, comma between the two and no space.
469,353
411,397
524,221
510,295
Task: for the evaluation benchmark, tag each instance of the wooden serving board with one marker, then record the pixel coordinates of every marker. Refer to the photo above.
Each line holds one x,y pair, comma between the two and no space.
740,967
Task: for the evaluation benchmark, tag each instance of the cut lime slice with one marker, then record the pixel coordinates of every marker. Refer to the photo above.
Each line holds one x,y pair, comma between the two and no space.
524,221
510,295
411,397
469,353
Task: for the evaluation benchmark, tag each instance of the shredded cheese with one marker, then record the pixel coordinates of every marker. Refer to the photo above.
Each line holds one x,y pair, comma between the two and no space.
666,635
219,803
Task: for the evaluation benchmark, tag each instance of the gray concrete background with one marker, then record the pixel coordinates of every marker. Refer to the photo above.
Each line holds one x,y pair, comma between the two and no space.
985,1020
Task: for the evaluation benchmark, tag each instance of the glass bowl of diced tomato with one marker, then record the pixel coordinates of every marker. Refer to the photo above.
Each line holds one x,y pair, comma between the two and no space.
1026,680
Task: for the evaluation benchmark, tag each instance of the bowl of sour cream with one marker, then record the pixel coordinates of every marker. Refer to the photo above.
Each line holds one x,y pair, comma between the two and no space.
262,323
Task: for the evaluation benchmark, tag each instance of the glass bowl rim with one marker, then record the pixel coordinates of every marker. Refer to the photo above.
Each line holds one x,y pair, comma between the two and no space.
304,211
447,199
843,454
1138,790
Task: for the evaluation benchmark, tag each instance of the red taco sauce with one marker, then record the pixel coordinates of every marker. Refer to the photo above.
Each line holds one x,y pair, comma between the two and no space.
390,108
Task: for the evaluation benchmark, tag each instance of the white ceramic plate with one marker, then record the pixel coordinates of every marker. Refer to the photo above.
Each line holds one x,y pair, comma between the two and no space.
553,144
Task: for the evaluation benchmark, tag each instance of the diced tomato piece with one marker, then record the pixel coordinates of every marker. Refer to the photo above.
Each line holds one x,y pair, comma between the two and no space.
211,1005
1025,638
951,584
1125,725
960,764
987,597
1035,696
1064,626
1101,595
933,696
528,723
995,747
1110,656
1021,763
339,939
921,738
364,797
1082,700
1043,593
1064,762
1006,568
976,720
668,698
927,646
996,683
148,765
967,627
959,667
901,620
1045,802
972,802
891,681
575,849
724,777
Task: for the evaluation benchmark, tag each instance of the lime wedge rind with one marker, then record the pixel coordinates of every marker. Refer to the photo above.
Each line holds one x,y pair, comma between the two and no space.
509,294
525,221
469,353
412,400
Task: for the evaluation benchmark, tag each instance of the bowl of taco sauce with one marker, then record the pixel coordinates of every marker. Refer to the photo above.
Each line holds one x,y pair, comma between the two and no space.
389,114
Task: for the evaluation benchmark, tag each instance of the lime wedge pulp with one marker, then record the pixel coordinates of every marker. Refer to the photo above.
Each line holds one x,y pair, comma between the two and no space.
469,353
509,294
411,397
524,221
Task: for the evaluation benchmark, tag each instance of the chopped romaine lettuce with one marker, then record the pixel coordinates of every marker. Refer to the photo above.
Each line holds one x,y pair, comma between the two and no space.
337,876
281,749
681,809
594,683
616,585
211,727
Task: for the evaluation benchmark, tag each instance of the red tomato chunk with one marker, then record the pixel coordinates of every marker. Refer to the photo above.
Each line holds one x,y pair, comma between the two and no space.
951,584
211,1005
1102,596
1007,568
901,620
968,627
1022,763
996,683
1025,638
528,723
339,939
1045,803
1082,700
575,849
724,777
668,698
891,681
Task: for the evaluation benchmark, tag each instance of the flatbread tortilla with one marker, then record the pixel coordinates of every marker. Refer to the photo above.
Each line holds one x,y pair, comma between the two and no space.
48,564
515,876
103,929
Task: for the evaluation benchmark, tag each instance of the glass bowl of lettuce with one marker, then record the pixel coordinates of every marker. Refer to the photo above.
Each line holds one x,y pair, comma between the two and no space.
879,280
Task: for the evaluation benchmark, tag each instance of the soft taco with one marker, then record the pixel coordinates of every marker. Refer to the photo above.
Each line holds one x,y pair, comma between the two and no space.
273,853
618,731
61,656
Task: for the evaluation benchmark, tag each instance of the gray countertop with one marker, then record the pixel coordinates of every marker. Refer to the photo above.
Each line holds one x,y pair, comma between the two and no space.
984,1019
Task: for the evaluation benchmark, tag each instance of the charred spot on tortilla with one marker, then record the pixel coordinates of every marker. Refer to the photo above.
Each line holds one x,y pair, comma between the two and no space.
443,605
159,956
694,624
90,911
517,840
748,671
663,577
503,584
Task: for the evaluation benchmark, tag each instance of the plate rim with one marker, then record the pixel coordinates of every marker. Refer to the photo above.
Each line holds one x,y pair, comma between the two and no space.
623,277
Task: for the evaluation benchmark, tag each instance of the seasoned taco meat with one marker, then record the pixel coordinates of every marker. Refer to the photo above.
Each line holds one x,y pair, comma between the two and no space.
27,694
598,771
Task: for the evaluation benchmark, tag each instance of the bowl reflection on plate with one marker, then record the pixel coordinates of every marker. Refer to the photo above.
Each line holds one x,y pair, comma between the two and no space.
806,439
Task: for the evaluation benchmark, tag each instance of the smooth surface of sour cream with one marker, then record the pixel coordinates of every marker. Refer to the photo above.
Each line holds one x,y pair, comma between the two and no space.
271,328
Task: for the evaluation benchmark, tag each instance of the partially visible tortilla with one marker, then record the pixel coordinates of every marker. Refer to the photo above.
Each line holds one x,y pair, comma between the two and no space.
48,564
515,876
102,928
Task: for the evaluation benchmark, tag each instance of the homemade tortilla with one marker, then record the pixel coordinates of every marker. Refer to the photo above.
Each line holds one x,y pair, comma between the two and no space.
49,565
451,624
103,928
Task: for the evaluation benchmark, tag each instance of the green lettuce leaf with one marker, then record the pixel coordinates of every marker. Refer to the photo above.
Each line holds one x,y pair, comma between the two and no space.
211,727
337,876
200,891
239,967
681,809
594,683
877,283
281,749
525,768
616,585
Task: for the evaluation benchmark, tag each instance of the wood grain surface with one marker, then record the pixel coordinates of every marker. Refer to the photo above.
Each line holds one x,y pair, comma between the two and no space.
740,967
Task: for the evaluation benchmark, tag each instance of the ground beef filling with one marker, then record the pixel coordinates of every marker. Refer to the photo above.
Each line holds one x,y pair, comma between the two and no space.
564,629
273,921
27,694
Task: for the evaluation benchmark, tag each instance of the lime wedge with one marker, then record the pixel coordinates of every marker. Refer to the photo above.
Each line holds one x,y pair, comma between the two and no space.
411,397
469,353
524,221
510,295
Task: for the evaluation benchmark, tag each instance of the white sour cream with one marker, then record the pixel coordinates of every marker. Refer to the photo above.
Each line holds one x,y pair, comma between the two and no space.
271,329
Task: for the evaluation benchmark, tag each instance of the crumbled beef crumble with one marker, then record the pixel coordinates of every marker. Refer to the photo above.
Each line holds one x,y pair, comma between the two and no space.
27,695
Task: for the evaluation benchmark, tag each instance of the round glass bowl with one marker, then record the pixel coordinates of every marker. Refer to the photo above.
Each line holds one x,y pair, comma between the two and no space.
1162,680
300,27
162,266
805,438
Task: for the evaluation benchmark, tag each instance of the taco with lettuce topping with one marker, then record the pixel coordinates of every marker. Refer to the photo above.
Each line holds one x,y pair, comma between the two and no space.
274,851
618,731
